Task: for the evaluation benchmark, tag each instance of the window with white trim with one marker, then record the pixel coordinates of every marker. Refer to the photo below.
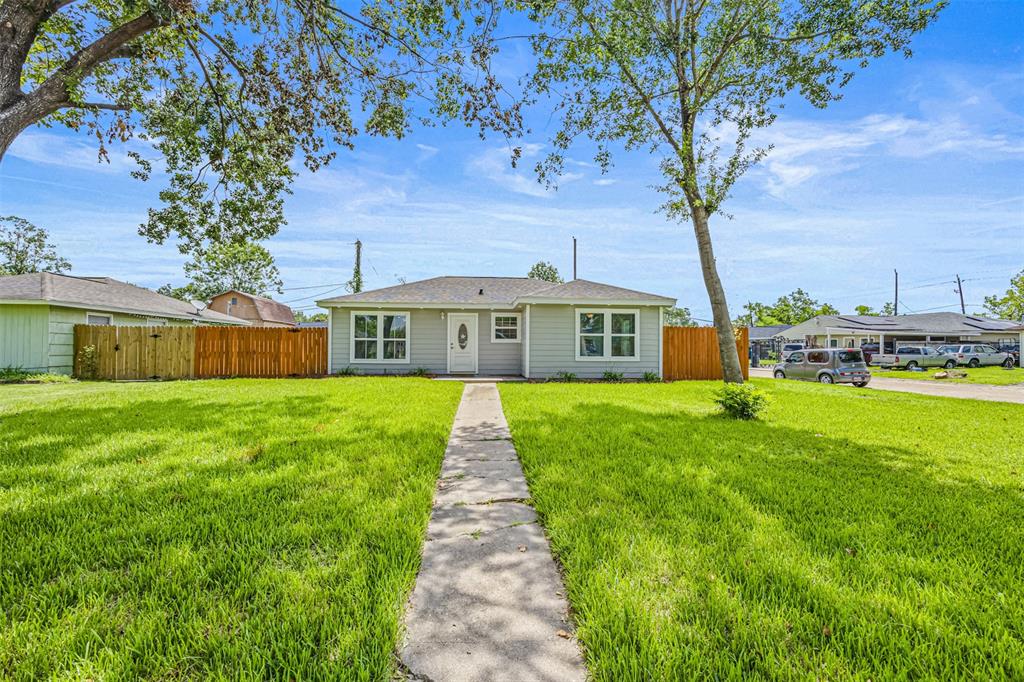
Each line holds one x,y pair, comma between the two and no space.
96,318
607,334
380,337
505,327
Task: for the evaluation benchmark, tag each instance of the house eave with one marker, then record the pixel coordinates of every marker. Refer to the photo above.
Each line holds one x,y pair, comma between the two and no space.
539,300
417,306
124,311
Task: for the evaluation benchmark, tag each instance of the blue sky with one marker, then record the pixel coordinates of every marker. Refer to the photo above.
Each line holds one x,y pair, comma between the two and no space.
919,168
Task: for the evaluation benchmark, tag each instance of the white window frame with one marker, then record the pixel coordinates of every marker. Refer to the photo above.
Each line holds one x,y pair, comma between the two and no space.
519,327
109,316
379,338
607,357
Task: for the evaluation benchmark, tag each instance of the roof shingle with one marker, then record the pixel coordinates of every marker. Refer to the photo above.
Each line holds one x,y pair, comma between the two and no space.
492,291
102,293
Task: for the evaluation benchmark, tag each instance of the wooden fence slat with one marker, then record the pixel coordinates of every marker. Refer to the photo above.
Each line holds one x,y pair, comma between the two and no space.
692,353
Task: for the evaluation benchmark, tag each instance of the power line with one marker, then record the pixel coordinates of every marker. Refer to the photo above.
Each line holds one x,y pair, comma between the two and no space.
318,295
318,286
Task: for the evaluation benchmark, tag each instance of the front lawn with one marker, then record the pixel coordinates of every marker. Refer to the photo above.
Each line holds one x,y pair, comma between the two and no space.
996,376
849,535
242,529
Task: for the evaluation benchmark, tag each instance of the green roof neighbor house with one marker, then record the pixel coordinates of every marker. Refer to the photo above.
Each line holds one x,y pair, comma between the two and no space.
39,311
497,326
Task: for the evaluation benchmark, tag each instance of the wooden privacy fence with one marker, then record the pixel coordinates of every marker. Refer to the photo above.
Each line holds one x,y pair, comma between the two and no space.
260,352
692,353
125,353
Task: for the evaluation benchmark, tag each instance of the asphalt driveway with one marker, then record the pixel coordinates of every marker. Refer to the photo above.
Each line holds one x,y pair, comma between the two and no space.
1006,394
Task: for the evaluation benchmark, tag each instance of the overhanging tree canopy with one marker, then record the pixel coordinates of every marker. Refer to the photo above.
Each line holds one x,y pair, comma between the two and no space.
228,92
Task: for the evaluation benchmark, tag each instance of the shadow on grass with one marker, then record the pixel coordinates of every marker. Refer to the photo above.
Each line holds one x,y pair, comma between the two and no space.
698,546
181,537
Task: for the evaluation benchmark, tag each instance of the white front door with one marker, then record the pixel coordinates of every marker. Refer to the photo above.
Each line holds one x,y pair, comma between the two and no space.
462,339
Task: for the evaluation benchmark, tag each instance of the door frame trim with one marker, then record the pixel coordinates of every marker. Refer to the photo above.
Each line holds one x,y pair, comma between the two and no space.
476,343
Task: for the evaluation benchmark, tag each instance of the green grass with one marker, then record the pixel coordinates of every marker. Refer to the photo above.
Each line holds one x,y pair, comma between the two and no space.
242,529
996,376
848,535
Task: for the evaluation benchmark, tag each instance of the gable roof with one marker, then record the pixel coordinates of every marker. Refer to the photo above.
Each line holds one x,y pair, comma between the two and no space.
924,323
102,294
489,292
767,331
268,309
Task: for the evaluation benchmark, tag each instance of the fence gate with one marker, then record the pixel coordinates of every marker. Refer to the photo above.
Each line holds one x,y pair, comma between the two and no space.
692,353
126,353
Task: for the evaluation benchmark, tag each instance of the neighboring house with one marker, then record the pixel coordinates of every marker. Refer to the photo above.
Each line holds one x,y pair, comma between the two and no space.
39,311
316,324
766,340
853,331
258,310
497,326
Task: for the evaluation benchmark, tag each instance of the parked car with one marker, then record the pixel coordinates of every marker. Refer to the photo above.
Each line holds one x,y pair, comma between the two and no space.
1013,349
977,354
789,348
869,350
911,357
825,365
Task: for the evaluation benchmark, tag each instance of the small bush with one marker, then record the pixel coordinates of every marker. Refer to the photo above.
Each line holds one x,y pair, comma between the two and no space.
88,362
652,377
419,372
348,371
12,375
742,401
612,376
565,377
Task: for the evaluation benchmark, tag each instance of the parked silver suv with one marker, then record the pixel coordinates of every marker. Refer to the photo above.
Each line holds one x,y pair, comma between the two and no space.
826,365
977,354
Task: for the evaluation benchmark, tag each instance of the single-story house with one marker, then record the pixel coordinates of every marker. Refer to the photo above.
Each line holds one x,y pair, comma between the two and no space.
854,331
259,311
495,326
39,311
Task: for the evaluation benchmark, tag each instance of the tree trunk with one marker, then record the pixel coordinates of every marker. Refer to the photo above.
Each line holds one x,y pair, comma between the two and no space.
19,116
732,372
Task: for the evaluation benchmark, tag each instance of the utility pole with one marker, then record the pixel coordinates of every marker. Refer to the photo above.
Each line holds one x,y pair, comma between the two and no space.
896,294
960,290
356,284
574,257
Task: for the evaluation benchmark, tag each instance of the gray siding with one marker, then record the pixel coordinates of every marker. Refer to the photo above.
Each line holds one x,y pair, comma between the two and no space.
428,345
553,343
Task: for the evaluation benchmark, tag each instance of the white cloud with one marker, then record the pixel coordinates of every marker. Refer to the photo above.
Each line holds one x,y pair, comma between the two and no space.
604,182
426,151
70,152
803,150
496,165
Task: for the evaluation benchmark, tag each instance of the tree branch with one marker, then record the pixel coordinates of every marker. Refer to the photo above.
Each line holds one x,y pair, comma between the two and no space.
54,90
109,106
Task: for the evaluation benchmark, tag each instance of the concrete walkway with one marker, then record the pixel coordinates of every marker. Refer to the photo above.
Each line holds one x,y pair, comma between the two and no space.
1005,394
489,603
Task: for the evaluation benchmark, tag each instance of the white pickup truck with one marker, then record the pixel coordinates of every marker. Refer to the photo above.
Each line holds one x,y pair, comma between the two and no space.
909,357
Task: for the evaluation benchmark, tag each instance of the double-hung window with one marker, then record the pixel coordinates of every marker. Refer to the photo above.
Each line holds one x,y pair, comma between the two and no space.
505,327
380,337
607,334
